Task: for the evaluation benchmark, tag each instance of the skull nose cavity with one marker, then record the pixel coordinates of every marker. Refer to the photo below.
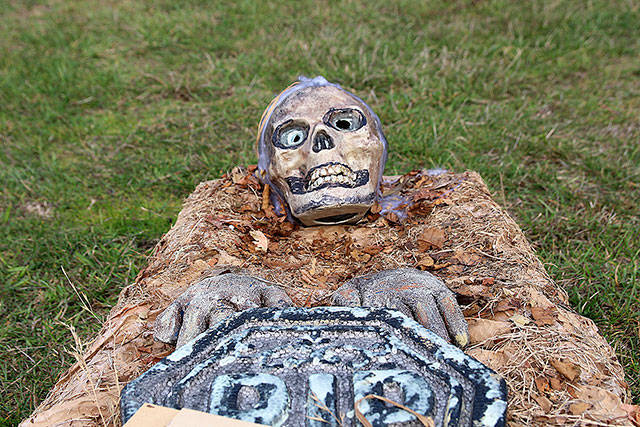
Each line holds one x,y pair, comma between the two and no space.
322,141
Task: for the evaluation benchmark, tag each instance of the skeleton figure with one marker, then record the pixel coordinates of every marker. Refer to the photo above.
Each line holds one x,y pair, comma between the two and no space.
322,150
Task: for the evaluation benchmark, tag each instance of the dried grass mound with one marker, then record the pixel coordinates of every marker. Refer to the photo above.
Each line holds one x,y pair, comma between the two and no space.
558,368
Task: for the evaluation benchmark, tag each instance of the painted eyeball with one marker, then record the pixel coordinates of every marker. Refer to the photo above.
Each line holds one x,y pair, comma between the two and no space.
290,135
345,119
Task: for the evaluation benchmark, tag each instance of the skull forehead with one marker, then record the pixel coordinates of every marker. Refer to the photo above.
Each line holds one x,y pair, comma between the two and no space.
313,103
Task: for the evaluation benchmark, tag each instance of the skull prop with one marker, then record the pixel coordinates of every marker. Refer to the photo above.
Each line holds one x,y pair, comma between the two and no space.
322,150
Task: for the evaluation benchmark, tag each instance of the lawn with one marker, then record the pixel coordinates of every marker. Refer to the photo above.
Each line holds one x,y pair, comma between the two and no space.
111,113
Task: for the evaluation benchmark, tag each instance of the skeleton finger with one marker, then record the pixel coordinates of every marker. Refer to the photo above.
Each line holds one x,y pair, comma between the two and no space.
275,297
426,312
195,321
418,286
210,283
454,319
241,297
346,296
167,324
216,316
400,306
378,294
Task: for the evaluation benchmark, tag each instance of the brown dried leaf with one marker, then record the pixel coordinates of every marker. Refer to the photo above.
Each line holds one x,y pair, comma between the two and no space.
422,181
503,316
424,194
537,299
456,269
312,267
392,217
372,250
494,359
544,316
237,174
466,257
439,266
286,265
226,259
260,240
360,256
425,262
484,329
248,207
472,290
266,204
421,208
568,369
443,201
431,238
633,413
596,394
519,319
506,304
363,236
578,408
605,403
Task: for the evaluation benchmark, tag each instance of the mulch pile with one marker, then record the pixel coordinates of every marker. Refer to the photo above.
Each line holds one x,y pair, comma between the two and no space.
558,368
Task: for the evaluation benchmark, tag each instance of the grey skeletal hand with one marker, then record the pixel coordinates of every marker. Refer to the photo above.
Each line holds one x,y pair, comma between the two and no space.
204,304
417,294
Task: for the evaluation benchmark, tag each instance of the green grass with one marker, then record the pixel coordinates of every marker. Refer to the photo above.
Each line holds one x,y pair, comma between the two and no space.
112,112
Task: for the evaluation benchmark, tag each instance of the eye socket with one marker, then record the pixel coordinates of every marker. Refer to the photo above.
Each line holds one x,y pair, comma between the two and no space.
345,119
290,135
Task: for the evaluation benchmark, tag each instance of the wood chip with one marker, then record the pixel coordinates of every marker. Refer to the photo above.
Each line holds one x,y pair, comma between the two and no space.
555,383
544,403
542,384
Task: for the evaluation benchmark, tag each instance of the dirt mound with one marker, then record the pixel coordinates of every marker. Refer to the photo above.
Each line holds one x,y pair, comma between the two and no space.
558,368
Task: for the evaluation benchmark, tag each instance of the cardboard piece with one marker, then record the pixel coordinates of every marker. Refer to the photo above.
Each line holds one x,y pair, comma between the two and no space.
158,416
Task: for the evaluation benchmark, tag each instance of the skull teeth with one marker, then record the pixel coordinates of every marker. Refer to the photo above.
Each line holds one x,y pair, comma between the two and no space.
338,174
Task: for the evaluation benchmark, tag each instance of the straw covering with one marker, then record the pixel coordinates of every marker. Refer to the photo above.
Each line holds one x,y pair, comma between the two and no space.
558,369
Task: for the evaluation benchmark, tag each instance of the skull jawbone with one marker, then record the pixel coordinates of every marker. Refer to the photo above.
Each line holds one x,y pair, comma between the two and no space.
312,208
